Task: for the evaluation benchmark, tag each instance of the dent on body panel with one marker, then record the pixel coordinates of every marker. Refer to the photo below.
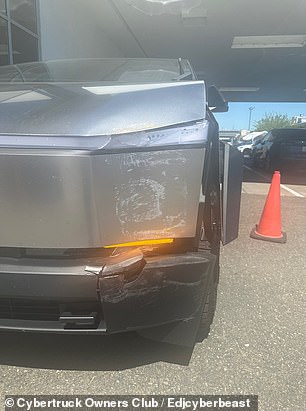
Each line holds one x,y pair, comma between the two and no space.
151,200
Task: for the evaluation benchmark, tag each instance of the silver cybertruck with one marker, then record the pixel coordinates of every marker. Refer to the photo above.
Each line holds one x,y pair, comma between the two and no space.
114,197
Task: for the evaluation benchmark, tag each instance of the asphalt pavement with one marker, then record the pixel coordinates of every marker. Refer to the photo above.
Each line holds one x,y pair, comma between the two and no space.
256,345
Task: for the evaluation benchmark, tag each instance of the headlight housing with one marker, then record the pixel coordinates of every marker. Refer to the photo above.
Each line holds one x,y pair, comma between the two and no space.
177,135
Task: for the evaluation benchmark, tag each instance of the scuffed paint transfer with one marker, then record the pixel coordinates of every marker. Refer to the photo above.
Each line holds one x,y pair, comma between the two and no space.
151,181
139,200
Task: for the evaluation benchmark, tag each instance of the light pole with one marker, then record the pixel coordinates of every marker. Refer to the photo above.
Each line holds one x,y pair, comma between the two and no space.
250,116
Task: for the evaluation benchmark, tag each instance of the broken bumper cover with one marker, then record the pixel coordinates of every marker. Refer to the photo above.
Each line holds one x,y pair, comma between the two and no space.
110,295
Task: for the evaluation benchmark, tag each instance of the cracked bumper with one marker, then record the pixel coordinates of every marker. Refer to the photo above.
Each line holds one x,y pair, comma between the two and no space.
130,293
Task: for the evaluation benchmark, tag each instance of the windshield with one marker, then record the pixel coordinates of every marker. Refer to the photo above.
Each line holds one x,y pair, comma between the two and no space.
98,70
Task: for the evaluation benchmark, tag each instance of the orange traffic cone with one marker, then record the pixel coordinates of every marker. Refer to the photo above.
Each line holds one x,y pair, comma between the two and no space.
269,227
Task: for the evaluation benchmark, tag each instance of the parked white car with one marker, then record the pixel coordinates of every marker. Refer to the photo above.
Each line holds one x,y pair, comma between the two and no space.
246,144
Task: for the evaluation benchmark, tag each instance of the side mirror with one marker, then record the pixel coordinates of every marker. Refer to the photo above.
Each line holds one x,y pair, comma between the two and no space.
216,102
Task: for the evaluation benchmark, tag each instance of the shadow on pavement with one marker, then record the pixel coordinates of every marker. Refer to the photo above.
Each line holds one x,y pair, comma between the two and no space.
252,177
89,353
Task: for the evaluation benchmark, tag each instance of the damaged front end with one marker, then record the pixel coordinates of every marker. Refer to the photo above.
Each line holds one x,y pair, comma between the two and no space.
100,189
158,294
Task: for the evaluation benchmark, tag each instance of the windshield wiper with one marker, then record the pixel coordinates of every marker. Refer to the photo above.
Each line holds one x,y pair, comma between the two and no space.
183,75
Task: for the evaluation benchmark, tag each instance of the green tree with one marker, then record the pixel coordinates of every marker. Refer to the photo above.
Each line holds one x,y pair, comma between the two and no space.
272,120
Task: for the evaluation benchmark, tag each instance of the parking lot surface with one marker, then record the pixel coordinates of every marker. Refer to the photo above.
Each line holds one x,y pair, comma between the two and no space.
256,345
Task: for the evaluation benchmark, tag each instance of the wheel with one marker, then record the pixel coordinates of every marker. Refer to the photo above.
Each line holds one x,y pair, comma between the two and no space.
209,307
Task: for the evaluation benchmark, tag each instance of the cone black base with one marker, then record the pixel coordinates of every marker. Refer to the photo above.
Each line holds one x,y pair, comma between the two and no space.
257,236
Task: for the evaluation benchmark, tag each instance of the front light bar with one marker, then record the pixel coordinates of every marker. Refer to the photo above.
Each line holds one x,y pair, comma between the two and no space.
141,243
195,133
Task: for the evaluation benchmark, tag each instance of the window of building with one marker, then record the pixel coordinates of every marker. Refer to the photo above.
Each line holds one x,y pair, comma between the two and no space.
19,37
4,52
2,7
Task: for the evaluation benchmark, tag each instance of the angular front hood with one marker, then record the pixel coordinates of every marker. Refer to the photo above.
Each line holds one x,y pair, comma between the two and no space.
71,109
55,196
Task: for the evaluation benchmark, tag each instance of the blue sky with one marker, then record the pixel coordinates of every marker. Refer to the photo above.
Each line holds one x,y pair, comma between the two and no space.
237,118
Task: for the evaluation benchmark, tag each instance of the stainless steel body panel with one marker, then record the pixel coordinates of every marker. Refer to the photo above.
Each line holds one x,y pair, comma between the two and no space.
76,200
64,185
92,110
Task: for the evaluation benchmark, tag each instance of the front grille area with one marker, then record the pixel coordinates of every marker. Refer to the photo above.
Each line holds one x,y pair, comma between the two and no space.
58,253
44,310
25,309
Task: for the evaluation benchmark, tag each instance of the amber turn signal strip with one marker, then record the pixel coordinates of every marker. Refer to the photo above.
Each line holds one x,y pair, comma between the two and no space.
142,243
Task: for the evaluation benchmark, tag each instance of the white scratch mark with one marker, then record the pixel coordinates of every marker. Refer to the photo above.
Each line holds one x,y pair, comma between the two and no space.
139,200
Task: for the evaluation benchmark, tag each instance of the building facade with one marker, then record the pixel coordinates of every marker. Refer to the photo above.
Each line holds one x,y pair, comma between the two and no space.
19,31
54,29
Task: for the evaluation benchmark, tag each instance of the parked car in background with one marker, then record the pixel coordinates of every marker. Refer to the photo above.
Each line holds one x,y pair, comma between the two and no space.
281,148
246,144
